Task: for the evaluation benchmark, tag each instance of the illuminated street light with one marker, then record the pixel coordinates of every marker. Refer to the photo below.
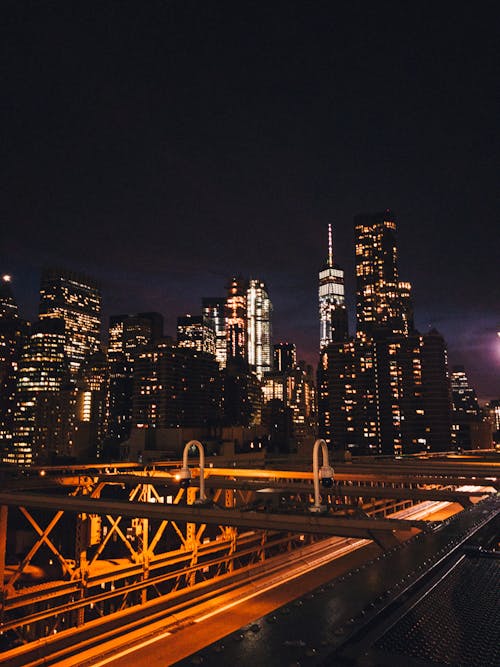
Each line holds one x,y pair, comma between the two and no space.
325,473
185,473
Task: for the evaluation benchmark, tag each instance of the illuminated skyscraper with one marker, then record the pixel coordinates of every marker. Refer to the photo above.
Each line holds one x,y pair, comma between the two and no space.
258,318
214,310
386,391
76,299
129,336
236,320
382,300
13,332
196,332
332,308
43,413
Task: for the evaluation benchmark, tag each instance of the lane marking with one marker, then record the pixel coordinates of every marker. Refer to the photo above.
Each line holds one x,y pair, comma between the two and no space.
132,649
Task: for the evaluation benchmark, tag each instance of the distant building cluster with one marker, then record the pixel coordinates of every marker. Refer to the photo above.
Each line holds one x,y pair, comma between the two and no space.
66,398
385,390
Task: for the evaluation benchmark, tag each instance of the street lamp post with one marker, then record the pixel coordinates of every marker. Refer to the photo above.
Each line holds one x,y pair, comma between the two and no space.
185,473
325,474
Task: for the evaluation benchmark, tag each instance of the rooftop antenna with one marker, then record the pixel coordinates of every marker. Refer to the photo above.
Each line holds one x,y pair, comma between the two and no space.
330,246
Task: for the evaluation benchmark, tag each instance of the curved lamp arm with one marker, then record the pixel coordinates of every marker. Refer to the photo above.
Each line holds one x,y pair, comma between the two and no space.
185,466
326,473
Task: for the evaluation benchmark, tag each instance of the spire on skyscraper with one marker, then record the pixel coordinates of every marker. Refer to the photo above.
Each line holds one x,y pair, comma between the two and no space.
330,246
332,308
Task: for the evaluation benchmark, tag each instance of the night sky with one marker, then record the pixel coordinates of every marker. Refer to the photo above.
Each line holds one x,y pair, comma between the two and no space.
162,147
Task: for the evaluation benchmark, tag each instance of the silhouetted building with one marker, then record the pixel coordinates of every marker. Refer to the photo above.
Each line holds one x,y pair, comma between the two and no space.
242,395
285,357
436,392
467,416
332,307
129,336
76,299
92,410
176,387
13,333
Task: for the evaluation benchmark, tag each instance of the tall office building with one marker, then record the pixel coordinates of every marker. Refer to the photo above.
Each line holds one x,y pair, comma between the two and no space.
92,410
214,311
436,392
236,320
176,387
466,415
285,357
259,331
13,332
382,300
386,391
76,299
196,332
332,308
43,422
129,336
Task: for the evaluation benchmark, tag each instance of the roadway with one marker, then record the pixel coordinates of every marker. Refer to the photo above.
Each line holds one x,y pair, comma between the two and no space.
203,624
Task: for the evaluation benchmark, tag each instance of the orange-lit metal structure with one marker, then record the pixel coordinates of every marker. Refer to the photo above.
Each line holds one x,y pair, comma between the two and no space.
98,540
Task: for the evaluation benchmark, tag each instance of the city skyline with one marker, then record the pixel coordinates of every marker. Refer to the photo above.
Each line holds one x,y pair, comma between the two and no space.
163,151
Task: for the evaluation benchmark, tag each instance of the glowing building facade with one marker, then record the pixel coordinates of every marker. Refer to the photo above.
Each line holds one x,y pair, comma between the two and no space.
332,307
76,299
214,311
13,333
43,418
385,391
382,300
236,320
259,332
129,336
196,332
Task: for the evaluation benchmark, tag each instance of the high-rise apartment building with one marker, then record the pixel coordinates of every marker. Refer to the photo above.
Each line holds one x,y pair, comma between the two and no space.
259,332
13,334
43,421
176,387
382,300
214,311
196,332
332,307
76,299
129,336
92,409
